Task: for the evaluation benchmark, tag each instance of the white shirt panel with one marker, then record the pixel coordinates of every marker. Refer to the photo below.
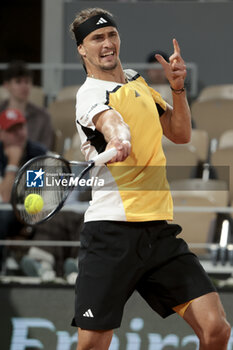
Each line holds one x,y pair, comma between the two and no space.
91,99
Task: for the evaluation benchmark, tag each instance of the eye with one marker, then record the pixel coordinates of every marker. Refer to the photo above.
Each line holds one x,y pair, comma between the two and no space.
98,38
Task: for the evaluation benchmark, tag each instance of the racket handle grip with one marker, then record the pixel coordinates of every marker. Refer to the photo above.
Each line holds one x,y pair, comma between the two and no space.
104,157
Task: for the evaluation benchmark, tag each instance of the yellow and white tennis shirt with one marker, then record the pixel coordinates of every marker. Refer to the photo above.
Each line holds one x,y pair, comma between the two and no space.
136,189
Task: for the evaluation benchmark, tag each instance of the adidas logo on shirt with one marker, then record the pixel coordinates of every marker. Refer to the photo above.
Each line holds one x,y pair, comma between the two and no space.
88,313
101,21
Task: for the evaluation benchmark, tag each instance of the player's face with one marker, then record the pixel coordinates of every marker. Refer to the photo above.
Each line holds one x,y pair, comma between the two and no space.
19,88
100,50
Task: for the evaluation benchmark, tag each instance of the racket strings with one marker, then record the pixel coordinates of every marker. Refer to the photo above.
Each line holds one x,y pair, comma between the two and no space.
49,185
53,194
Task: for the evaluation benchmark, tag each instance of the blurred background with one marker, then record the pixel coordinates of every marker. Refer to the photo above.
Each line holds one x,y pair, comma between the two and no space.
200,173
38,32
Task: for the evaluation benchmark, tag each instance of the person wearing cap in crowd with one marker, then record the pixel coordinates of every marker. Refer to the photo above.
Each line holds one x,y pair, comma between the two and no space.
18,82
15,150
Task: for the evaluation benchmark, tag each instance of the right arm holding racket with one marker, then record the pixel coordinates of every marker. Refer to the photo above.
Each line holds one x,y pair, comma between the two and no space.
116,133
51,200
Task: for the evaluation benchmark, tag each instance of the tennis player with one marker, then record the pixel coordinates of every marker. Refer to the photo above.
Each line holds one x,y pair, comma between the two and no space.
126,243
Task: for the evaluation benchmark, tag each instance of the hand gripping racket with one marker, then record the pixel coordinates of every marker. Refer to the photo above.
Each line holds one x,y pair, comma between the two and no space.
30,180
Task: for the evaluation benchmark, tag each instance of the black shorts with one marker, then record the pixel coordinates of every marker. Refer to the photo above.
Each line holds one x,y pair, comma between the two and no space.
117,258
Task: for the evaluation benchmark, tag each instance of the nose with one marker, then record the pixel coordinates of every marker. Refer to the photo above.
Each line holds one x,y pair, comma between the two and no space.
108,42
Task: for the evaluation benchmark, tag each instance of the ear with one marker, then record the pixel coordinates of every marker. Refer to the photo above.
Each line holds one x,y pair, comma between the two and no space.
81,50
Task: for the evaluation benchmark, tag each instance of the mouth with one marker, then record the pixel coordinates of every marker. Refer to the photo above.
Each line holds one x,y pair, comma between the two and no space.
107,54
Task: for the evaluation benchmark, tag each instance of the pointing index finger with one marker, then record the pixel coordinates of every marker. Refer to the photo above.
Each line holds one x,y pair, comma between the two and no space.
161,60
176,46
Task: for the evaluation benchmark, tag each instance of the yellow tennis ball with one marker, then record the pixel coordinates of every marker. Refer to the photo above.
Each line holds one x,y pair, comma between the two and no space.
33,203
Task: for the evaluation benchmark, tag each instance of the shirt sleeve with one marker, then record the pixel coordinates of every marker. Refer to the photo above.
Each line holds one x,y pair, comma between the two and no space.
88,104
159,101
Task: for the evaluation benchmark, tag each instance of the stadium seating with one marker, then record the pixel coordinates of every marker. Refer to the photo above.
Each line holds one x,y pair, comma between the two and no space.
200,141
74,152
68,92
63,119
226,139
197,193
222,160
197,185
212,92
37,96
183,160
213,116
199,144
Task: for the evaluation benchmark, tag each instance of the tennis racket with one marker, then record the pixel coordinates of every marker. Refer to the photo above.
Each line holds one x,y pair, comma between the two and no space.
30,180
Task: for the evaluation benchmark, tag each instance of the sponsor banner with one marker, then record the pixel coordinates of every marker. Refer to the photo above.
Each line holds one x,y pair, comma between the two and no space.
39,317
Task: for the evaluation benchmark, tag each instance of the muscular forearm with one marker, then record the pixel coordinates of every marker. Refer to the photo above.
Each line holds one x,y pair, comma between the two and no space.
176,121
116,133
114,128
180,122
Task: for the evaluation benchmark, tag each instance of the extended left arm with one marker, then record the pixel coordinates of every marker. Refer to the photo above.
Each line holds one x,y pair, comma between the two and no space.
176,121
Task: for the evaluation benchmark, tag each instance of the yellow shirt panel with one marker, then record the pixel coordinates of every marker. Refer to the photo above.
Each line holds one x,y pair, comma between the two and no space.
141,178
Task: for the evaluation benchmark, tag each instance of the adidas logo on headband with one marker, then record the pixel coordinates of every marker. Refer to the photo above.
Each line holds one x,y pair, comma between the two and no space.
101,21
91,24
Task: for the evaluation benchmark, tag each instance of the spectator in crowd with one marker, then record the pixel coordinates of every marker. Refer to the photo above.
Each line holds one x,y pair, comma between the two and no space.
18,82
15,150
156,74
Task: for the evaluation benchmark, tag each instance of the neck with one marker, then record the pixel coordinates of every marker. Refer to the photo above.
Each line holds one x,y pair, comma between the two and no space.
20,105
116,75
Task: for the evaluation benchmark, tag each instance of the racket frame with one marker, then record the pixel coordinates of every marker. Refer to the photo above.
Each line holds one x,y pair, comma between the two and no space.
89,164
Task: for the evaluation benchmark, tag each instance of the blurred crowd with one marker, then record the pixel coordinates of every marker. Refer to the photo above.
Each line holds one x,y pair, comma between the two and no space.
29,128
26,131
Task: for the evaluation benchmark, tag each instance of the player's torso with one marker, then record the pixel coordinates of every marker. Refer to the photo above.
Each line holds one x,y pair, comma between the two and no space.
142,190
